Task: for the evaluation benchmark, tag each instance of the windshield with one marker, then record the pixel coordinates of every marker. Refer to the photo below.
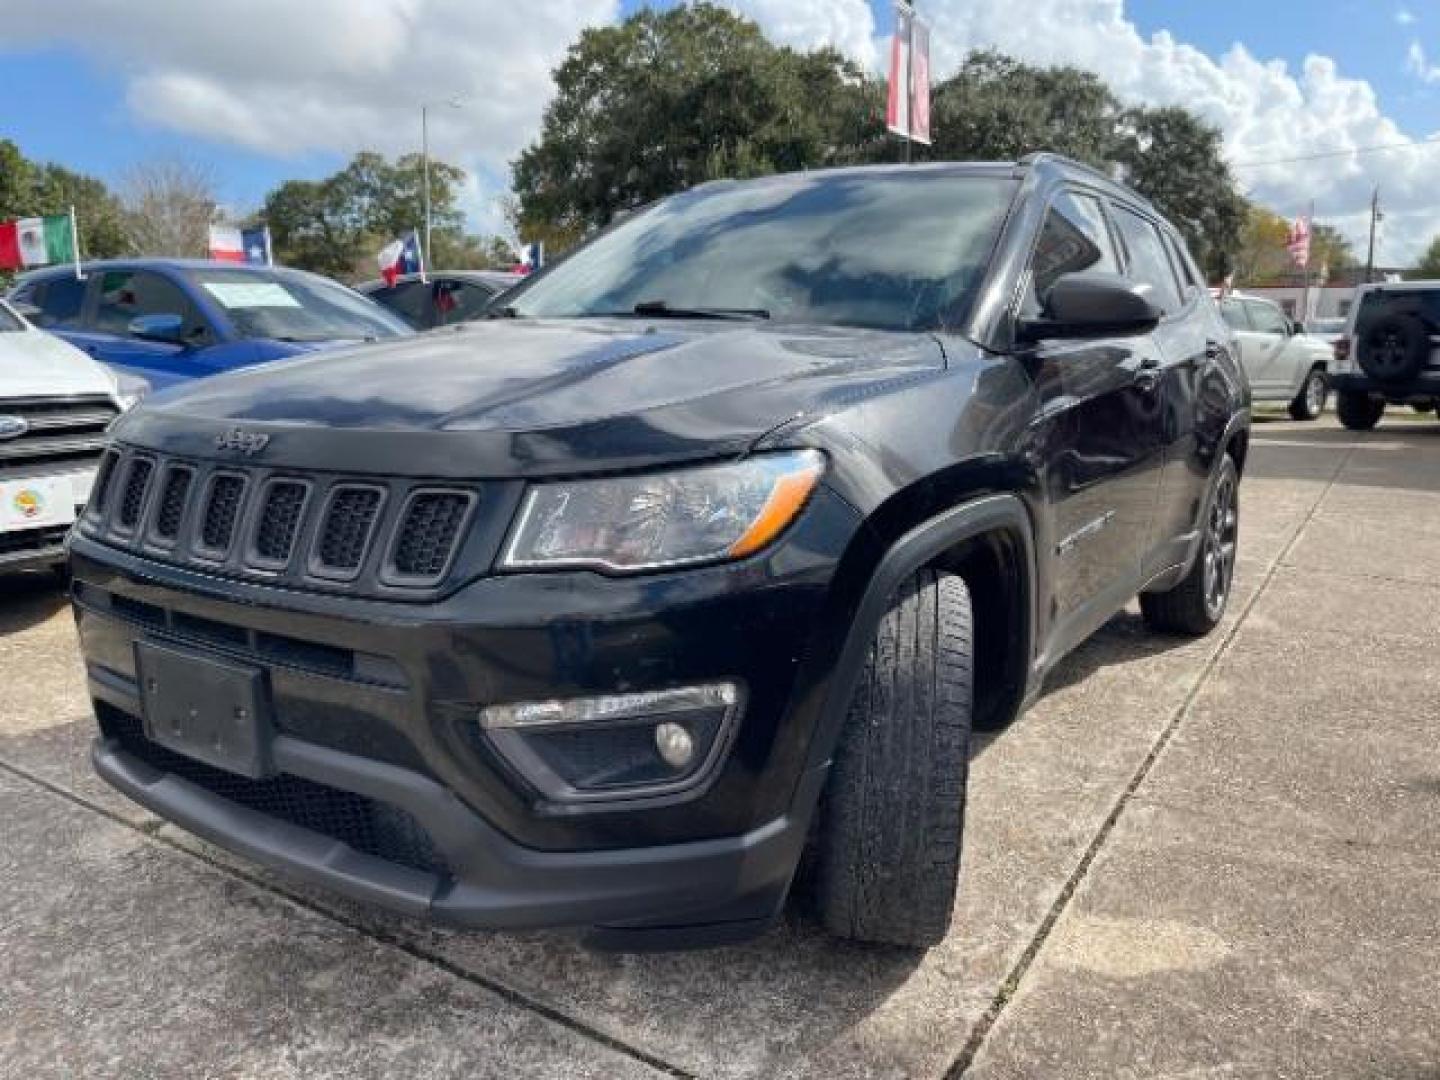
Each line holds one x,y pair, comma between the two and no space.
898,251
295,306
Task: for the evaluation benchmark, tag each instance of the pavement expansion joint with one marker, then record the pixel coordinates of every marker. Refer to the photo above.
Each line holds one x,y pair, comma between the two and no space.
981,1031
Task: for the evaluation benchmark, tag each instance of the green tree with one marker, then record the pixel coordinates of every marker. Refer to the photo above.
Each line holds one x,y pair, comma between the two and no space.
31,189
1176,160
667,100
1428,268
337,224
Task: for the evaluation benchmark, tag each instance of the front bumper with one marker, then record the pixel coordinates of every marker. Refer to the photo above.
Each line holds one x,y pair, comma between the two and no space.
375,709
1423,388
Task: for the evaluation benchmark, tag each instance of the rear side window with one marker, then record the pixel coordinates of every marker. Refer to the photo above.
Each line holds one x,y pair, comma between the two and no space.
1073,238
1150,267
1184,265
60,300
1377,304
459,301
408,299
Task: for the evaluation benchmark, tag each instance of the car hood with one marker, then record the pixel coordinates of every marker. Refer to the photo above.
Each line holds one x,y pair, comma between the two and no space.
36,364
510,397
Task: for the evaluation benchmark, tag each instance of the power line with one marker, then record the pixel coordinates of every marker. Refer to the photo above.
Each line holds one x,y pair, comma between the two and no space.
1378,148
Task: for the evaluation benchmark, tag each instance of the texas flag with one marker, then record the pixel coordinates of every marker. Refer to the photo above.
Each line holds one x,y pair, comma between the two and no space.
400,257
229,244
531,257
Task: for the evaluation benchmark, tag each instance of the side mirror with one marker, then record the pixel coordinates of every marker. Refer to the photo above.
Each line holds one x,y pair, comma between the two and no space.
1090,304
164,328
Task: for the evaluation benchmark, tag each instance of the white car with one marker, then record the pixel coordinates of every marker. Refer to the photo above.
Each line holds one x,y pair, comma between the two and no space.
1283,363
55,404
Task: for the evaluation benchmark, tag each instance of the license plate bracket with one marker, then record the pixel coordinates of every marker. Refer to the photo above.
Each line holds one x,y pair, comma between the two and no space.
207,708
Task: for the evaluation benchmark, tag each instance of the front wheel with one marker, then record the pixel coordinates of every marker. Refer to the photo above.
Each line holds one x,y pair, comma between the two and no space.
1197,604
888,850
1309,403
1359,412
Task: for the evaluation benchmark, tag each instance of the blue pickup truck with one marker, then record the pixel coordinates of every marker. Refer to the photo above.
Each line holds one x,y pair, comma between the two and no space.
171,320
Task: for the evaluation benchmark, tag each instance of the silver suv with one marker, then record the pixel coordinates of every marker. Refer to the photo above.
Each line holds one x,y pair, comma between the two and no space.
1284,364
1388,353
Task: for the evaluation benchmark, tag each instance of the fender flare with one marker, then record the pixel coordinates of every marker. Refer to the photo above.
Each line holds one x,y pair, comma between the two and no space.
915,549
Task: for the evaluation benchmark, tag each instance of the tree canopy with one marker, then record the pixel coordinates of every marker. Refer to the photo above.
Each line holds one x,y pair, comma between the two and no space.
666,100
1428,268
34,189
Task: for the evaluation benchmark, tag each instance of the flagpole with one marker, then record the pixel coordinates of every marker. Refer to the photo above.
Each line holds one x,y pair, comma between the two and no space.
269,248
421,252
75,245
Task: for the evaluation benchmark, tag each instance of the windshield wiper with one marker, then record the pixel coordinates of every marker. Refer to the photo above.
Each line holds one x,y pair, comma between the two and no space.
662,309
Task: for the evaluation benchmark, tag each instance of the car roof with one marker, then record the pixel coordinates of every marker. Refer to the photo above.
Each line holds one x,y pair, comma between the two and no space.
148,262
1393,286
498,278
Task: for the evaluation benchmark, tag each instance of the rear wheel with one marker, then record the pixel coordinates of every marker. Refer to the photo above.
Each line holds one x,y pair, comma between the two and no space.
1197,604
1359,412
1309,403
888,853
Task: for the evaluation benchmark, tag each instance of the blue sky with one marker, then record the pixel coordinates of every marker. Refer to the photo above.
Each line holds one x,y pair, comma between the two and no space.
100,93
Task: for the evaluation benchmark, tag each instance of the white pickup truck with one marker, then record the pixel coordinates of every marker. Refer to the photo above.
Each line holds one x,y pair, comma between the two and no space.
55,404
1283,363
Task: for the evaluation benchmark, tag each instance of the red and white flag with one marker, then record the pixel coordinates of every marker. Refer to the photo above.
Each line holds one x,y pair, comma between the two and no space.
1298,243
907,111
226,244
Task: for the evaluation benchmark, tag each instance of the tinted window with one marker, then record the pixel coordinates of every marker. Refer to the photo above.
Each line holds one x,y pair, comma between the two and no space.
459,301
1184,267
897,250
1423,304
1073,238
60,300
1267,318
409,299
128,294
1149,265
295,306
1234,314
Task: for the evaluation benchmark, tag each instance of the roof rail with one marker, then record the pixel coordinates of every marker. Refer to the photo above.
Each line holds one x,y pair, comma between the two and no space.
1049,157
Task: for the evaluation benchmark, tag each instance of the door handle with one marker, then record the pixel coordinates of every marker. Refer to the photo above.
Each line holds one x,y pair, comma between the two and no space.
1213,350
1148,377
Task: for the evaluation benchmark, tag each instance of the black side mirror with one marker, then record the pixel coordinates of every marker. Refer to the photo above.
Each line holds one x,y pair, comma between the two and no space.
1090,304
164,327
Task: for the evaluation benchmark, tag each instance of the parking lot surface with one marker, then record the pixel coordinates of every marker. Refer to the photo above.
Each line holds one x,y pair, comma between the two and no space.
1190,858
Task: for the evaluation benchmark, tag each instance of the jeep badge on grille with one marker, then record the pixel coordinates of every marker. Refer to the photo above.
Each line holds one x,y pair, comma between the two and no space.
241,441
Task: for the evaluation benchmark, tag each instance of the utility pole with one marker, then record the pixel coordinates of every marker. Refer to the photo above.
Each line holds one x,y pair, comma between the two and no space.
425,166
1375,217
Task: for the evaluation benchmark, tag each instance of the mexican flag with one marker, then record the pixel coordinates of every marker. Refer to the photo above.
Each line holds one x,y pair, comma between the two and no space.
37,241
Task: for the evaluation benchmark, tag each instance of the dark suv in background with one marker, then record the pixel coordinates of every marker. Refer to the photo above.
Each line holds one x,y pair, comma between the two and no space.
719,538
1389,353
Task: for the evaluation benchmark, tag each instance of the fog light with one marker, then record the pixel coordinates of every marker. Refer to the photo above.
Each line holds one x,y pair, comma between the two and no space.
616,746
674,744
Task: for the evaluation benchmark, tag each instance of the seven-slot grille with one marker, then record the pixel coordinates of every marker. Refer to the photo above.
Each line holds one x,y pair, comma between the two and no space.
327,530
58,431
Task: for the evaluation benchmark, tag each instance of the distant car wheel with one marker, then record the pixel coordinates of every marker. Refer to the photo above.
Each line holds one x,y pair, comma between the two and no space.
1196,605
888,849
1395,349
1309,403
1359,412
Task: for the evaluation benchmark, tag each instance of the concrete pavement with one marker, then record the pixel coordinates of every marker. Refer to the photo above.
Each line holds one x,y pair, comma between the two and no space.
1212,858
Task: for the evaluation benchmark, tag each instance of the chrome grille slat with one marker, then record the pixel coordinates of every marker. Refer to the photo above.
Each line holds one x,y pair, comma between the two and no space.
58,430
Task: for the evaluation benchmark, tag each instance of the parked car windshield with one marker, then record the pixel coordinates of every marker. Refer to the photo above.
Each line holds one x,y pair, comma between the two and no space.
900,252
295,306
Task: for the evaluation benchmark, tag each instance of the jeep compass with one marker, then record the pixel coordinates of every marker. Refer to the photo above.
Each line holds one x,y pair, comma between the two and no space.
708,550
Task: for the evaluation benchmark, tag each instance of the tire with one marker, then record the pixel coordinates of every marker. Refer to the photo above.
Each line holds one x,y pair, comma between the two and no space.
1196,605
1309,403
888,848
1357,411
1395,349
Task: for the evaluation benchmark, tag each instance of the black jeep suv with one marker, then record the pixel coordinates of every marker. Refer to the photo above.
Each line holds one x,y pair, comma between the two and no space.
717,540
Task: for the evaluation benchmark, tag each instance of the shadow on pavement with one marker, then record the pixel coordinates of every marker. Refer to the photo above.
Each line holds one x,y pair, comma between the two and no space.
29,599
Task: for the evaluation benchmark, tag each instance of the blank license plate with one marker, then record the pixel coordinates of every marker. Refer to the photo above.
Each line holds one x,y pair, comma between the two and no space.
212,710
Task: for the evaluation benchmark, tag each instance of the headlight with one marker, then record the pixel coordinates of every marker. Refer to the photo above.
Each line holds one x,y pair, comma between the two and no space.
632,523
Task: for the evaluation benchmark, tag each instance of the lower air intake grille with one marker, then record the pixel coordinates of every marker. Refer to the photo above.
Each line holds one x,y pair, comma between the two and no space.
346,531
367,825
221,510
280,520
132,499
428,530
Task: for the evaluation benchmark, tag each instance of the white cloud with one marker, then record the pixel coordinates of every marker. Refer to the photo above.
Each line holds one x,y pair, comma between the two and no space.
1406,17
1418,64
285,77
